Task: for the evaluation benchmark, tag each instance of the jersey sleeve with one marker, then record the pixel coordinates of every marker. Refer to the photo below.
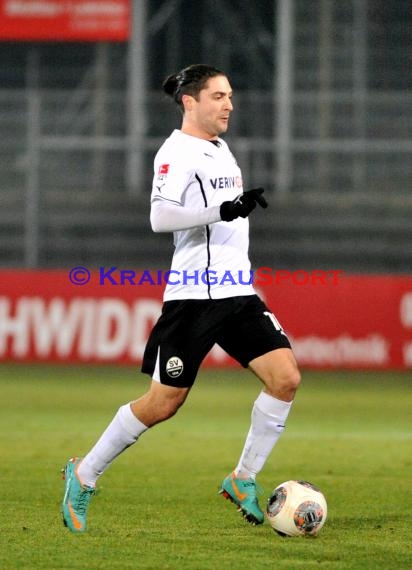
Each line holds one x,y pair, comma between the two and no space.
166,216
170,179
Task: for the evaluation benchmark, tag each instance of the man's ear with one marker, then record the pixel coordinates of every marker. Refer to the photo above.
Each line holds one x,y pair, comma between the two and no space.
187,101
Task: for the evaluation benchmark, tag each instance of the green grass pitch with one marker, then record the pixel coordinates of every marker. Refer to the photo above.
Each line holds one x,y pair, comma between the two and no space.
158,507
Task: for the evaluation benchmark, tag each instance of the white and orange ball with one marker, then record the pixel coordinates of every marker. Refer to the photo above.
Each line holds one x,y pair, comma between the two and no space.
296,508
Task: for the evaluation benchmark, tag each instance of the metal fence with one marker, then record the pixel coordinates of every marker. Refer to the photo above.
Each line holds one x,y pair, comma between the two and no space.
322,94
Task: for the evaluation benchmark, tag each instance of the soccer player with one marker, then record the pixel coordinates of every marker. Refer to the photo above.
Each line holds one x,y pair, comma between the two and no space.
198,195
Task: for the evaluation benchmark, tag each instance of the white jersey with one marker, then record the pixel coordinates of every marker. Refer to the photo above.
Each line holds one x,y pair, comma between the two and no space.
210,261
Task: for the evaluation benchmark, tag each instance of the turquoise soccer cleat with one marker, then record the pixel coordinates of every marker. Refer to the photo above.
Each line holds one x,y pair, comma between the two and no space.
243,493
76,498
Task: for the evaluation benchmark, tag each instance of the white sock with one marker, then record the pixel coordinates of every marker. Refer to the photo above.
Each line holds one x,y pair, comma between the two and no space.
268,422
121,433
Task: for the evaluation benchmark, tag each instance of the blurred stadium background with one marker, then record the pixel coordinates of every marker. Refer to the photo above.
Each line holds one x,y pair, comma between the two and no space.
323,122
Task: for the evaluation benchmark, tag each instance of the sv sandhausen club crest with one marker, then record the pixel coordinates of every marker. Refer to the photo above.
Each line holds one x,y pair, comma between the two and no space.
174,367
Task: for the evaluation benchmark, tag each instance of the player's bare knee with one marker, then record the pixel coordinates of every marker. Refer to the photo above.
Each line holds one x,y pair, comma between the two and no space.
293,378
285,383
290,381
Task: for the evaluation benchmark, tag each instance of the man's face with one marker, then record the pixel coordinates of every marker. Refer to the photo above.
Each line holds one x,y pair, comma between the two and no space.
209,113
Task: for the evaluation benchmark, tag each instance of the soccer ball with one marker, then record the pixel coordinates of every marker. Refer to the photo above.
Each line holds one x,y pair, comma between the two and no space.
296,508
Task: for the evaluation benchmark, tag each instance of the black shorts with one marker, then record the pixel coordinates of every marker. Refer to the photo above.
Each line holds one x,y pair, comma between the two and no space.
186,331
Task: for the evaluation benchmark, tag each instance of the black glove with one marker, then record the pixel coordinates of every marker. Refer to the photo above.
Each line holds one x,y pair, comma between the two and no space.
242,205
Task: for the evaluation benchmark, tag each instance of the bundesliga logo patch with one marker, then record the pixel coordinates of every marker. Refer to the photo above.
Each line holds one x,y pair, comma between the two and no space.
163,171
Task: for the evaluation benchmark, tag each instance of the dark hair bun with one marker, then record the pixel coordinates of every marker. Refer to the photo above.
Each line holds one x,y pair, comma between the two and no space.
190,81
170,85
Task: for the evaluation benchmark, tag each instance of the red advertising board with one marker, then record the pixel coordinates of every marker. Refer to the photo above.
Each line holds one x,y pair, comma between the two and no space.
64,20
350,321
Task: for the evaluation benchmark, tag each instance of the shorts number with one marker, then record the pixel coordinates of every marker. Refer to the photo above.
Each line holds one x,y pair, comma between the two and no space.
275,322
